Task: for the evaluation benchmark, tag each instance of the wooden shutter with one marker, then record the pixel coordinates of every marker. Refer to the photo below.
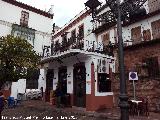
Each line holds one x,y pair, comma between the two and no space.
156,29
81,31
146,35
153,5
106,38
136,34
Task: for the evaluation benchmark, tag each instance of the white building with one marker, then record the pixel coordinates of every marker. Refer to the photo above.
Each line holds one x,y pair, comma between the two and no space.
80,64
30,23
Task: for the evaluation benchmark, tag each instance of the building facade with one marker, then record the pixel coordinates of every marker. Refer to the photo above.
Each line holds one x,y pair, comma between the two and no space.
34,25
81,65
141,52
84,62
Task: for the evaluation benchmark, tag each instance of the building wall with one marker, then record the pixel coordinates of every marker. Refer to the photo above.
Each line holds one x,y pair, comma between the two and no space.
18,87
36,21
145,24
90,38
95,100
43,27
40,23
145,87
69,62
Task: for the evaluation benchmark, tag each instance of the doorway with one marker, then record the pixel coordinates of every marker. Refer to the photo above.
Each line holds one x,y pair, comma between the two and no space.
49,84
62,79
62,83
79,85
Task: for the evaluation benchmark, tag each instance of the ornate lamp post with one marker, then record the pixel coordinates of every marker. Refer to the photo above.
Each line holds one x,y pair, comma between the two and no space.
118,12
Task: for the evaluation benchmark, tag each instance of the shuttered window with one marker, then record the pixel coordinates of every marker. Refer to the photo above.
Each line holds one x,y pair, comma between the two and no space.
73,35
81,31
106,38
147,35
156,29
136,34
24,18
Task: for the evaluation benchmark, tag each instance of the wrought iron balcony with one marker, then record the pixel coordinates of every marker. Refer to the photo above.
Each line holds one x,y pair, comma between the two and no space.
71,43
81,44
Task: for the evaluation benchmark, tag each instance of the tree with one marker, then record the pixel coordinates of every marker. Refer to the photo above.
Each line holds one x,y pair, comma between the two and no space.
16,55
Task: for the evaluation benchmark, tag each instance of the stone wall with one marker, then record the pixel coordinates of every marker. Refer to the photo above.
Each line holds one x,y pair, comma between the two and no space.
146,87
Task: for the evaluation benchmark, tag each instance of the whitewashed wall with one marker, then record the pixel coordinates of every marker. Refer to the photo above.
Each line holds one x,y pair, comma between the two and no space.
40,23
145,24
88,27
69,62
10,14
18,87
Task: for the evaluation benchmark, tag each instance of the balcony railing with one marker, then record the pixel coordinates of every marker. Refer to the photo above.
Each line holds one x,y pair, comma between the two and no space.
71,43
81,44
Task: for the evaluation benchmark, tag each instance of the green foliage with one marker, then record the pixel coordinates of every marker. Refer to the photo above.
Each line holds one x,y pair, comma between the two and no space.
16,54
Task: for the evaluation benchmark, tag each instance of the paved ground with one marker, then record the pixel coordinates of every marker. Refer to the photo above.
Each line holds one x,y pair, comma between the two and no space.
38,110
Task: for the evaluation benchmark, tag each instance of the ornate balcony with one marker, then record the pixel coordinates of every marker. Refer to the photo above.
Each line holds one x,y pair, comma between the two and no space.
71,43
80,44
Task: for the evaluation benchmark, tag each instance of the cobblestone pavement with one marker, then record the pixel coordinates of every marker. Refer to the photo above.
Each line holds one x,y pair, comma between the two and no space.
39,110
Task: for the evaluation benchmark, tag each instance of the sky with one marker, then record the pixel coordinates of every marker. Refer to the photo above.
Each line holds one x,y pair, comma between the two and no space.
64,10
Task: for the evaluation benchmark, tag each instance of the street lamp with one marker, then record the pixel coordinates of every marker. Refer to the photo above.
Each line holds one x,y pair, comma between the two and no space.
118,12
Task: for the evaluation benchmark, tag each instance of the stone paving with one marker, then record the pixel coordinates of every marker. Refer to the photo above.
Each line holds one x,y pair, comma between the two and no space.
39,110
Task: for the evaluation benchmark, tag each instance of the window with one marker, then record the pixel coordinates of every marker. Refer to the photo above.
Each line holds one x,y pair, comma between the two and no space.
156,29
106,38
57,46
147,35
153,5
49,79
64,40
81,31
153,67
24,18
136,34
104,83
73,35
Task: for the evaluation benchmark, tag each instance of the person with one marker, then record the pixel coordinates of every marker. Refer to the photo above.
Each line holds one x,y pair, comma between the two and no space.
42,92
58,95
1,103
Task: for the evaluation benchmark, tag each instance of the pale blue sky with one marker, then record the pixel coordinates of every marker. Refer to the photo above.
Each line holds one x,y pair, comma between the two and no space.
64,10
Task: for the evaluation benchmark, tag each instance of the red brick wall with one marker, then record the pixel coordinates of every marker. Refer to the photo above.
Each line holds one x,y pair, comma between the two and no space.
145,87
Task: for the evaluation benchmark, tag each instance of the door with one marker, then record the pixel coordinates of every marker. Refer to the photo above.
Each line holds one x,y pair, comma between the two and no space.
49,84
62,82
79,74
62,79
